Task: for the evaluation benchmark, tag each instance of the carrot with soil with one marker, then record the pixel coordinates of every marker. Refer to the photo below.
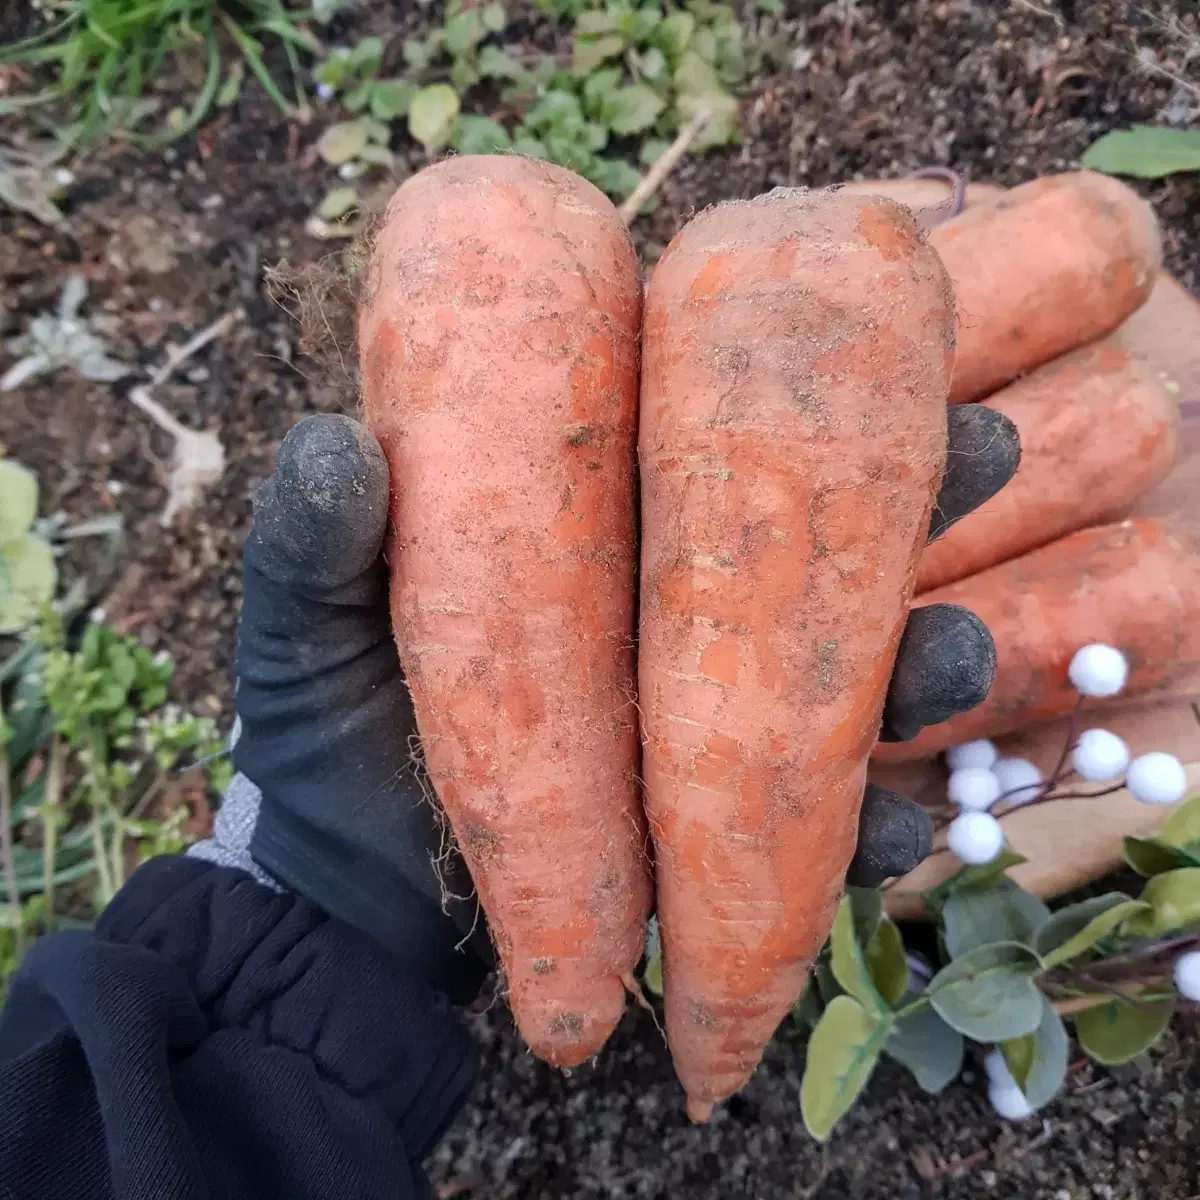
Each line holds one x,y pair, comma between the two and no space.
797,358
1050,266
499,346
1098,430
1134,585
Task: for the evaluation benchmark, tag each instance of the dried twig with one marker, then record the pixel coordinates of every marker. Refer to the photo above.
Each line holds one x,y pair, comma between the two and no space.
666,163
199,456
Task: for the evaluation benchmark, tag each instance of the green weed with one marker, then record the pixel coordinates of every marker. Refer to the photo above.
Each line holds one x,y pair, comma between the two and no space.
107,53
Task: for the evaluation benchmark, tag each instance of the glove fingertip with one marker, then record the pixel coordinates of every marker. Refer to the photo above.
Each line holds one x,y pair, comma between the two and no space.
319,520
945,666
983,454
895,835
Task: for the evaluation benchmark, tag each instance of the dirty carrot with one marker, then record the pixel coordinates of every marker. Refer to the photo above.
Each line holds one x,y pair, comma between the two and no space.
499,361
797,357
1134,585
1050,266
1098,430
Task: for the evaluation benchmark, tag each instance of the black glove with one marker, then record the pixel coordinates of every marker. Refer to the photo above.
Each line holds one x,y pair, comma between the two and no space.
327,727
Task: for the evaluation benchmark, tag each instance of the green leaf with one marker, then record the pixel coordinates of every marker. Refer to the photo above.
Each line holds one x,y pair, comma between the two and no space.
530,147
614,176
232,87
367,54
652,150
772,8
886,964
928,1047
1182,827
390,99
18,500
431,115
480,135
1146,152
867,906
1118,1032
674,33
378,131
378,156
342,142
464,32
699,88
977,917
988,994
1174,900
417,54
1150,856
598,85
842,1053
827,985
653,64
972,877
464,75
494,63
1038,1061
494,18
596,22
847,961
27,579
337,203
590,53
1078,927
1018,1057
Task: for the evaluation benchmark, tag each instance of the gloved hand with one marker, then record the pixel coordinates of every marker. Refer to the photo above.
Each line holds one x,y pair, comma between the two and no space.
327,728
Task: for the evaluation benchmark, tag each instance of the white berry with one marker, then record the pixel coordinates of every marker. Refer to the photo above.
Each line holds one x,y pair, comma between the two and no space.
1009,1102
975,837
1099,756
997,1070
973,789
1019,779
1187,975
1157,778
1098,670
979,753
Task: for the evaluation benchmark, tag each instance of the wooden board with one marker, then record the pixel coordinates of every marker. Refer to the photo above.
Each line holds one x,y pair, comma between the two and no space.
1071,842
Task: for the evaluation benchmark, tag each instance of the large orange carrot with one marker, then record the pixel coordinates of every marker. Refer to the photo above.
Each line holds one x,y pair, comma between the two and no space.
1098,430
1134,585
797,356
499,347
1050,266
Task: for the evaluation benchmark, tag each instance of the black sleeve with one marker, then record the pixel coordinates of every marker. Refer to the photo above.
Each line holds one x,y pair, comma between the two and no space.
212,1038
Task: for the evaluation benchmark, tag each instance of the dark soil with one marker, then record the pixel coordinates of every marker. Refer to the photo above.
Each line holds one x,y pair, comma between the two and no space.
170,241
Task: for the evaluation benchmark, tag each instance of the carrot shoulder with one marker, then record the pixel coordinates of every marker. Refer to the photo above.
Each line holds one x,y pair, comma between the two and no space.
1098,430
1133,585
1050,266
499,347
797,356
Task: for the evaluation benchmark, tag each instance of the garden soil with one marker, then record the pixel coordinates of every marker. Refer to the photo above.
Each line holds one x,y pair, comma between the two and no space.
172,240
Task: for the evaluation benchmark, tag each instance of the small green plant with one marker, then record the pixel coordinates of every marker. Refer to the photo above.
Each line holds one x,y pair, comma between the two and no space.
27,570
107,52
636,74
1011,972
1145,152
88,743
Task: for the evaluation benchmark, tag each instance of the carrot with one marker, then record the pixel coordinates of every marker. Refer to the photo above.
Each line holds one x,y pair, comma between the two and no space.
1098,430
499,356
1133,585
1050,266
797,356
